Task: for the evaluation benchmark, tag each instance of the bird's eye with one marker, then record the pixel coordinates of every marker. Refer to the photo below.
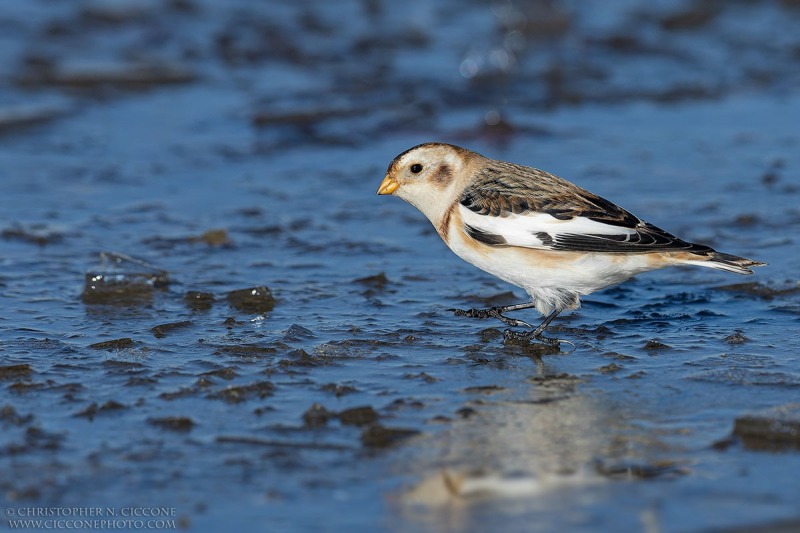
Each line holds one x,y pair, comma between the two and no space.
416,168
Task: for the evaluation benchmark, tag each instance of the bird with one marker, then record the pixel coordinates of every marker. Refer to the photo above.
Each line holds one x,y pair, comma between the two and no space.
535,230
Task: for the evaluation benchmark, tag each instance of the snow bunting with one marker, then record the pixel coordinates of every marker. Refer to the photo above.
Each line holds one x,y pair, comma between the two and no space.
535,230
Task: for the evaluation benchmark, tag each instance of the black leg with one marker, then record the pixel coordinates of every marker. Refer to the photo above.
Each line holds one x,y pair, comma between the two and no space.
537,333
546,322
497,312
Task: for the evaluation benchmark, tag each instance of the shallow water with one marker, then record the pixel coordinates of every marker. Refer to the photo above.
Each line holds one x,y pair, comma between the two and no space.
274,125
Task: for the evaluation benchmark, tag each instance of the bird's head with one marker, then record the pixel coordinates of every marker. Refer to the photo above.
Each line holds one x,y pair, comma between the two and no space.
427,177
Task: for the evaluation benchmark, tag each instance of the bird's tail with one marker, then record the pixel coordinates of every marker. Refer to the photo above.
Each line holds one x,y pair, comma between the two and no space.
721,261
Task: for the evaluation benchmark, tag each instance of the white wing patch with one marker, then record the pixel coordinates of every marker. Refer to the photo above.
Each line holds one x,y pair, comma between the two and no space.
538,230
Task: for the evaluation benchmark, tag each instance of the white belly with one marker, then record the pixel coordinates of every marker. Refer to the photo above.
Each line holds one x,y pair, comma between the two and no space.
553,279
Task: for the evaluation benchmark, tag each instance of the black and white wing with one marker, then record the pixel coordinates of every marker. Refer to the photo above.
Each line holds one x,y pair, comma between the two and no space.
511,205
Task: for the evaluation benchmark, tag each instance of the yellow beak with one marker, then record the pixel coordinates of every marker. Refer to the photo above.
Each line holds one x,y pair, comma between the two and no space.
388,185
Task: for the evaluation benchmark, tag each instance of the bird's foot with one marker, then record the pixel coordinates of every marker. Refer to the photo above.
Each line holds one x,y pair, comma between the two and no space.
533,336
492,312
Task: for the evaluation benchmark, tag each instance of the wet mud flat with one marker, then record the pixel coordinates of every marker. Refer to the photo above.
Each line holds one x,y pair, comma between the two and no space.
203,305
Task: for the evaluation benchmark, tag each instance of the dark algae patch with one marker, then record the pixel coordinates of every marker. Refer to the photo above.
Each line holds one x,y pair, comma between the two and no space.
317,416
121,280
761,290
245,350
116,344
242,393
377,436
254,300
358,416
93,410
199,300
162,330
9,416
15,371
179,424
39,234
776,428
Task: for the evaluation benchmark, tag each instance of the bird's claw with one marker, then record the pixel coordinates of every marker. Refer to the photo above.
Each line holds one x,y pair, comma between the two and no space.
528,336
513,322
471,313
492,312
